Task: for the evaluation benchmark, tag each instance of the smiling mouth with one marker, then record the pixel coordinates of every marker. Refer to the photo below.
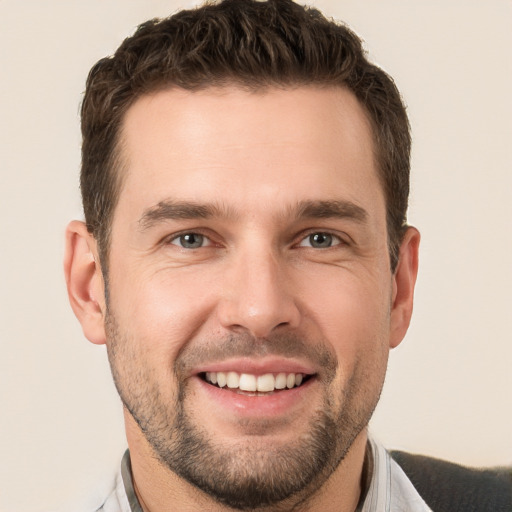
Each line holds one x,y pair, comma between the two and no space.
256,385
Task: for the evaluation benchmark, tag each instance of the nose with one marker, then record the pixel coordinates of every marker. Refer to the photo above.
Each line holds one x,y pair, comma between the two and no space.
258,296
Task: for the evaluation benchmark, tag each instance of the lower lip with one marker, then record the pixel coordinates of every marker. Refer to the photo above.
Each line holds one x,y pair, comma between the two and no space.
260,406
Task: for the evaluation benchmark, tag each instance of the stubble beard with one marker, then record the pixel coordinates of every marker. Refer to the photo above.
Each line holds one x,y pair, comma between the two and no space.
247,475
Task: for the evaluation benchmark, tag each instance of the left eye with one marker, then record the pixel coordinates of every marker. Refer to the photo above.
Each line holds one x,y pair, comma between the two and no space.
320,240
190,241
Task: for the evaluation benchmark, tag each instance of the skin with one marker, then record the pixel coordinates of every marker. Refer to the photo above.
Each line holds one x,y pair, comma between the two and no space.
257,281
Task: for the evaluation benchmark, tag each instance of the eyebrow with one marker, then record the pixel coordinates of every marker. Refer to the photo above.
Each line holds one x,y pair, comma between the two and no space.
331,209
172,210
189,210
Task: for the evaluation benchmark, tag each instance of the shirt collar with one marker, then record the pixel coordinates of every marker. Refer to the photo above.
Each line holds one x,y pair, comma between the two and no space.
389,488
126,473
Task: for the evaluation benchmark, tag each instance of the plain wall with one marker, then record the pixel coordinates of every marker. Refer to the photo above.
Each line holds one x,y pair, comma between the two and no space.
448,390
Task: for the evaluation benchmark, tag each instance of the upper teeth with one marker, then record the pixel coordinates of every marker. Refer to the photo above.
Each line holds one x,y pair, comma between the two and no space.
249,382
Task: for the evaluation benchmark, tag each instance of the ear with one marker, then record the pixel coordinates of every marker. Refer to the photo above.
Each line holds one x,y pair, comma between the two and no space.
404,280
84,281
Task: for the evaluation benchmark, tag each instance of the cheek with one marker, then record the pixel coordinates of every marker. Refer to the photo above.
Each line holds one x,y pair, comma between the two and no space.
162,310
357,326
353,316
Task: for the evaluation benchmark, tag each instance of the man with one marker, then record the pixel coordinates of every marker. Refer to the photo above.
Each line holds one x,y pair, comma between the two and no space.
245,258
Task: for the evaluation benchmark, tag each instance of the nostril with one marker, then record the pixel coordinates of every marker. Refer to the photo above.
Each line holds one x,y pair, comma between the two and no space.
258,303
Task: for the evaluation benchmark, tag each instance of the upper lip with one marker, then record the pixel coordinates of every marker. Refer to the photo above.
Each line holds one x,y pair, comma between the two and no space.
257,366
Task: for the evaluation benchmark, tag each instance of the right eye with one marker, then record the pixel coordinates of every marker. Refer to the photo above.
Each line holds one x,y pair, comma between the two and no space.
191,241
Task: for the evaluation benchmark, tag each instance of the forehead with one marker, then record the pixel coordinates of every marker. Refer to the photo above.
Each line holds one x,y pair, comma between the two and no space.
228,145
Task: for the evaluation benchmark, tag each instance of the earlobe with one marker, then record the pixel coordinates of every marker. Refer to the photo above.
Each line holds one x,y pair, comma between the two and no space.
404,281
84,281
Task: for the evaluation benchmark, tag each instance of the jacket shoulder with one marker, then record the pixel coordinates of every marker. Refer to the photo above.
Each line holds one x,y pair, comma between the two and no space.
449,487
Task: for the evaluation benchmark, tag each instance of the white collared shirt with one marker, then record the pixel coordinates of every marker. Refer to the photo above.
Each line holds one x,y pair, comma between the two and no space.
390,489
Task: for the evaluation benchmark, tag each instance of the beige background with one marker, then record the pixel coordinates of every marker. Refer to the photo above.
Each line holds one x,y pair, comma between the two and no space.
448,390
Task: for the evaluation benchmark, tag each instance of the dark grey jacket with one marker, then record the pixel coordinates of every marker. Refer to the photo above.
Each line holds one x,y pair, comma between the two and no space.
448,487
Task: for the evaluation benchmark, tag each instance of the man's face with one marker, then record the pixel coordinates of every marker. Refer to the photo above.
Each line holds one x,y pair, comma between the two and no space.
249,245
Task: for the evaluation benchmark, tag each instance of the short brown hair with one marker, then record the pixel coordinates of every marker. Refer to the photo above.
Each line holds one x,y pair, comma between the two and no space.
255,45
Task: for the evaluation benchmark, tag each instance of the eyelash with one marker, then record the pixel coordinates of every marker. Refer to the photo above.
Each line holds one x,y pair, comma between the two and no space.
189,233
334,238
